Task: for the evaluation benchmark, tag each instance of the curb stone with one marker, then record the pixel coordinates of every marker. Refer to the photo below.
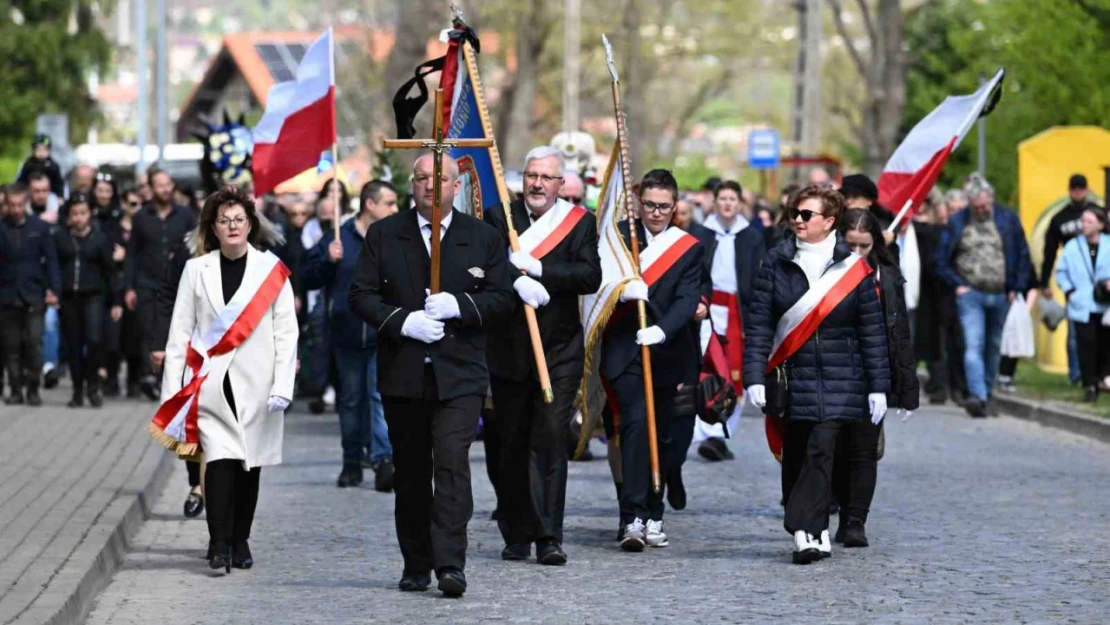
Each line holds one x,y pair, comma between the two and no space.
1059,418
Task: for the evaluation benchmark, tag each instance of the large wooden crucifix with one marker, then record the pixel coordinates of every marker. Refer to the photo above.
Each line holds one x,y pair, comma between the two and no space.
438,145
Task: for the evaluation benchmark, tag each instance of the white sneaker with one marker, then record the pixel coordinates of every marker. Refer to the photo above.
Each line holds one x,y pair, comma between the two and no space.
806,548
329,396
633,536
655,535
825,545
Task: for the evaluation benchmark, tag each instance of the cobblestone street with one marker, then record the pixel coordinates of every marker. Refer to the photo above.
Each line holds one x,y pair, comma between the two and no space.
980,521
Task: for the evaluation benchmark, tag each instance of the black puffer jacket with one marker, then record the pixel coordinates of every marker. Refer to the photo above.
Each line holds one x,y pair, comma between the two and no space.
830,376
905,389
87,265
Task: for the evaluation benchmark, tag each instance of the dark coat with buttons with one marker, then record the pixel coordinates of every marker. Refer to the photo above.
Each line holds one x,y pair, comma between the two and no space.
830,376
28,263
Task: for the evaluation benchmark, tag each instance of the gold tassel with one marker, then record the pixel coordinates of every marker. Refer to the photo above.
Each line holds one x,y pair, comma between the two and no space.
189,452
592,336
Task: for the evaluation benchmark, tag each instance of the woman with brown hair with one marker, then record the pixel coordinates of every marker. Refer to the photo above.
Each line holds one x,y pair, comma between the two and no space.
229,368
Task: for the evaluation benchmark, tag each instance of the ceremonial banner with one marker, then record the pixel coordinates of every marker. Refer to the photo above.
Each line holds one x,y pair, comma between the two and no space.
914,167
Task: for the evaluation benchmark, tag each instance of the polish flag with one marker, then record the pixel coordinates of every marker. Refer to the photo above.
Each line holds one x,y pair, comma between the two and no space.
913,169
299,122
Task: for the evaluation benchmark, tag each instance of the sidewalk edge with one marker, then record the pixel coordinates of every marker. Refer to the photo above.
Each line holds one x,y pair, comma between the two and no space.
1083,425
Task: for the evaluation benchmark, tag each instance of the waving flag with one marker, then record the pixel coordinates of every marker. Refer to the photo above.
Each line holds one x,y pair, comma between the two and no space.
913,169
299,122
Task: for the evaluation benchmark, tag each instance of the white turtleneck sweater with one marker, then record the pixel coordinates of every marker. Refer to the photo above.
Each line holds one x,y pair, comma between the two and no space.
814,258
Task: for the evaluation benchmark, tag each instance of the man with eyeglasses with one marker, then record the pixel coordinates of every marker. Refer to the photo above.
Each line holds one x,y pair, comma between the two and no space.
155,232
557,262
573,189
672,263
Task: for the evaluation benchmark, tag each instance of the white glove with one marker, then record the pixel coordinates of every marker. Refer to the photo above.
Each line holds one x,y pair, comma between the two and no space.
877,401
650,336
757,395
278,404
635,290
527,263
421,327
441,307
531,292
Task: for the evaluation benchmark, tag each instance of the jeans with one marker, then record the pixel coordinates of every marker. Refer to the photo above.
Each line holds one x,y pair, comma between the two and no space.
1074,370
982,316
51,337
361,416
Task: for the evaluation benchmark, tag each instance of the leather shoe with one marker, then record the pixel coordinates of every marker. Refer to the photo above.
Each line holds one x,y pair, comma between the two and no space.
517,552
33,398
550,553
452,582
194,505
715,450
383,476
241,556
676,490
415,582
351,476
855,535
221,557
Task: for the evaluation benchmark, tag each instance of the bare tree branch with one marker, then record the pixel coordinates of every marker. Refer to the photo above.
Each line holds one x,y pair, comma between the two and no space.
842,30
869,24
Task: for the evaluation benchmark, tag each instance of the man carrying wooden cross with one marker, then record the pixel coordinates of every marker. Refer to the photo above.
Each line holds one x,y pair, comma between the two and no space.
432,361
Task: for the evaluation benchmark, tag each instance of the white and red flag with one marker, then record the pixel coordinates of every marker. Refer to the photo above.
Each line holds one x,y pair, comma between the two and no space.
912,171
299,122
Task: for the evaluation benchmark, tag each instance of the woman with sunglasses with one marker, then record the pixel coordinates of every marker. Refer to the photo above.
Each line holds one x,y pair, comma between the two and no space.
826,375
857,452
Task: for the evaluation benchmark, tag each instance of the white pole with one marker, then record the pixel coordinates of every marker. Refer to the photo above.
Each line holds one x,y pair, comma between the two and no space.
160,86
141,80
902,213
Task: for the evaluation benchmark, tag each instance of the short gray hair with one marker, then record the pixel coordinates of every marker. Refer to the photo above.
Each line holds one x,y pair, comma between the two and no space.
976,185
547,151
955,195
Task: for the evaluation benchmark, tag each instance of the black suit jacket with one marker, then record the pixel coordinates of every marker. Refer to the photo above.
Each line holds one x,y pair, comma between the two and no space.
27,271
750,250
571,269
389,282
672,301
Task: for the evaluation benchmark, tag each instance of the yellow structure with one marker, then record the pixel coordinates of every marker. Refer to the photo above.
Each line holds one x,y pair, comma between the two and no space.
1045,162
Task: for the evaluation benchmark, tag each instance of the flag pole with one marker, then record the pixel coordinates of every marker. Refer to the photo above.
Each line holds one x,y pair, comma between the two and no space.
902,213
641,307
334,143
514,241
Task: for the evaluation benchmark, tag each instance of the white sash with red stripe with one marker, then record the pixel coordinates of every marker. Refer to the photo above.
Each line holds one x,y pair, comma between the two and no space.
551,228
175,423
805,316
663,252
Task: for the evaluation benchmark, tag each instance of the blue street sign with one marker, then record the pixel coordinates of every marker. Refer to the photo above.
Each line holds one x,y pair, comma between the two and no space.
763,148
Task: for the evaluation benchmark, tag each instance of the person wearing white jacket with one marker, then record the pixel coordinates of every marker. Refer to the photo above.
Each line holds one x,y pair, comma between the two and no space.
1082,273
234,328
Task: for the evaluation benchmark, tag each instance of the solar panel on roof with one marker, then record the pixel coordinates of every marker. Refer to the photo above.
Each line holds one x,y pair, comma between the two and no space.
281,59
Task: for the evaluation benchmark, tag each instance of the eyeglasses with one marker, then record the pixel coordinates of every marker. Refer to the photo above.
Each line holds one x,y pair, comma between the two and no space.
806,215
573,199
225,223
652,207
531,177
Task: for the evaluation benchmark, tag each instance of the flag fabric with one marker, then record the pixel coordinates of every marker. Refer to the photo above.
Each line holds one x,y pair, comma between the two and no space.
915,165
299,122
464,120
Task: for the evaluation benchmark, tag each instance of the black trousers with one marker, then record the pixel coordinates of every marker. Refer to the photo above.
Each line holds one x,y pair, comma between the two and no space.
682,434
21,328
532,480
855,468
82,317
124,344
492,445
431,454
1094,350
807,508
638,499
193,468
231,495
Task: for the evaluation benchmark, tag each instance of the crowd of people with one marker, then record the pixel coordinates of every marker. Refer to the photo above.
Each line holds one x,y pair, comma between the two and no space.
822,309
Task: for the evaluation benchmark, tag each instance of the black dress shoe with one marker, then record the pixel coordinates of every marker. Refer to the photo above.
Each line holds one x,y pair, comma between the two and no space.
676,490
383,476
715,450
33,398
415,582
96,400
76,402
111,387
351,476
855,535
316,406
221,557
194,505
452,582
241,555
50,379
550,553
1091,396
976,408
517,552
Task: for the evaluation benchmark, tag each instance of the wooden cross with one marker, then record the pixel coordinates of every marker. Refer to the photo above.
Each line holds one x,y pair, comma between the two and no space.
438,146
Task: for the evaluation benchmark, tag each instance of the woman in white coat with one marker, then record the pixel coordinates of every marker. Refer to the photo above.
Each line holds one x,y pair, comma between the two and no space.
229,368
1082,273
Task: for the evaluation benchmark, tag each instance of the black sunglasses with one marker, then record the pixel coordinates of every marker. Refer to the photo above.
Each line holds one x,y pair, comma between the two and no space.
806,215
573,199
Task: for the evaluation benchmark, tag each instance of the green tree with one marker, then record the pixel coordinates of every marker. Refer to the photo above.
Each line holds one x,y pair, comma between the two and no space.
48,49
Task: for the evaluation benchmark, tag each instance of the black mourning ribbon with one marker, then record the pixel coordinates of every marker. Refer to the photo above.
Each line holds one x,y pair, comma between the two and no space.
405,107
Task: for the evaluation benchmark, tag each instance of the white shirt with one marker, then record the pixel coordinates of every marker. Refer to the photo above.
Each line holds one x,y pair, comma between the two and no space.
649,238
814,258
426,228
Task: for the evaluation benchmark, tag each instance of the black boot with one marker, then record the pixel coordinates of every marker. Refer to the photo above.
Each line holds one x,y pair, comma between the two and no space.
78,398
33,398
111,386
1091,396
93,392
350,476
221,557
16,398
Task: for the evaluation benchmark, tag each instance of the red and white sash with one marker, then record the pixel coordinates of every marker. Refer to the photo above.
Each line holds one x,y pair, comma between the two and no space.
805,316
551,228
175,423
665,250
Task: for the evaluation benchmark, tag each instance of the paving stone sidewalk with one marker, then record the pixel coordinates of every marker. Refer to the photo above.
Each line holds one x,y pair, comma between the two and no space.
73,485
975,521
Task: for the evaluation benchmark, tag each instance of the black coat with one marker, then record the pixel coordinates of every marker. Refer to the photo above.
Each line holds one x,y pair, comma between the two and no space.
28,269
86,264
750,250
830,376
936,308
672,301
571,269
389,283
905,389
152,240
